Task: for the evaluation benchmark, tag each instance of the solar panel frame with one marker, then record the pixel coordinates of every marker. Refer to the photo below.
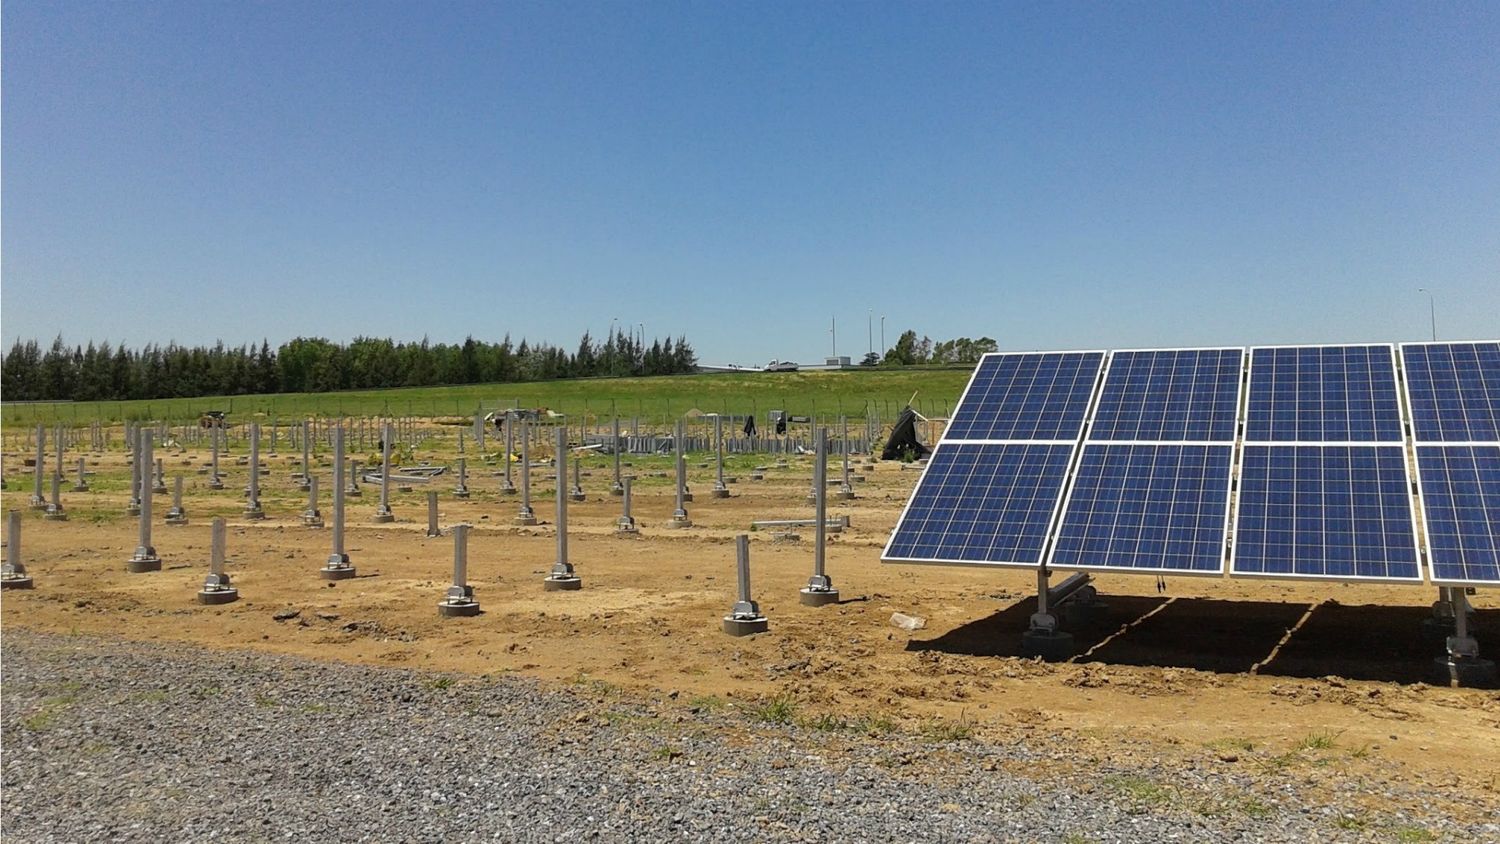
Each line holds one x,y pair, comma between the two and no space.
1251,421
1440,571
1437,440
1072,443
1418,404
1094,443
1104,450
1250,441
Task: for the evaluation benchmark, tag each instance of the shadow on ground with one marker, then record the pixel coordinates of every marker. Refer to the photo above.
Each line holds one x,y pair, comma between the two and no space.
1357,642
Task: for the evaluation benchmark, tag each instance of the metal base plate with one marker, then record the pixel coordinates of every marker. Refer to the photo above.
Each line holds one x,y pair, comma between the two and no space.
745,626
135,566
562,584
1465,672
458,610
819,597
336,573
218,596
23,582
1050,645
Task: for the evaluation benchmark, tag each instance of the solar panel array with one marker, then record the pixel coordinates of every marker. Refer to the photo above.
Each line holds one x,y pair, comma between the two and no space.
1453,392
1151,492
1045,460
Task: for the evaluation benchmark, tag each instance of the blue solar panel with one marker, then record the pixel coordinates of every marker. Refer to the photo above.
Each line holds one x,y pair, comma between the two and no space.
1339,512
1454,391
1032,396
1183,394
1461,507
1147,508
982,504
1323,394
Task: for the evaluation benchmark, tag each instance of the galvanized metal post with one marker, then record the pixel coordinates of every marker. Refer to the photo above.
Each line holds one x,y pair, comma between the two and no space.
306,455
745,618
14,575
626,523
216,588
563,577
616,488
215,481
680,515
351,487
432,514
177,515
719,490
312,517
846,489
145,558
159,479
82,485
819,589
525,516
509,487
462,490
383,512
337,567
576,492
459,601
55,512
252,504
38,499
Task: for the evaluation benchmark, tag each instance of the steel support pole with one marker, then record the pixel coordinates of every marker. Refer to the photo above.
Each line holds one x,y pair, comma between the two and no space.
337,566
38,498
745,618
306,455
432,514
458,601
719,490
563,577
14,575
216,588
253,509
525,516
680,514
509,487
617,488
819,590
145,558
383,512
177,515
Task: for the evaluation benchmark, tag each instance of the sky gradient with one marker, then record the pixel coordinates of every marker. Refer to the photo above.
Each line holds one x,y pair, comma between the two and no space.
1053,176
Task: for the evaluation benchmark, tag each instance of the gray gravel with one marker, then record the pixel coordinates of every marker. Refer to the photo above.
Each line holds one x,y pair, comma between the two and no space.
109,741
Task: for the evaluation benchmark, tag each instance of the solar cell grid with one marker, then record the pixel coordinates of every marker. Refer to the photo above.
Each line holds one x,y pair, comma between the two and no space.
1461,501
1033,396
1323,394
1147,508
981,503
1172,394
1339,512
1453,391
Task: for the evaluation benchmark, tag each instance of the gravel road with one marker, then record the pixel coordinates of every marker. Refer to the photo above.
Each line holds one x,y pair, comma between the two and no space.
114,741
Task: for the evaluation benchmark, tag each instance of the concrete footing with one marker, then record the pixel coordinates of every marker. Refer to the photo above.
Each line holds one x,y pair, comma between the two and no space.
1050,645
18,582
679,522
218,596
458,609
745,626
562,584
1465,671
141,565
818,597
383,517
718,493
254,514
336,571
523,521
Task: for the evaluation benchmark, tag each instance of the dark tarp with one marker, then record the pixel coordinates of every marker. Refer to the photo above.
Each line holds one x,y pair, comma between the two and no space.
903,437
750,426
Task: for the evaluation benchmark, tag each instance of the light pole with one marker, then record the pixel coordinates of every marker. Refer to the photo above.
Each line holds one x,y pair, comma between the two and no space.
882,334
1431,310
833,331
870,328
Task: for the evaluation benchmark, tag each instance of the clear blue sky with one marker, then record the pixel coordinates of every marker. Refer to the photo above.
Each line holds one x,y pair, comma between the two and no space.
1050,175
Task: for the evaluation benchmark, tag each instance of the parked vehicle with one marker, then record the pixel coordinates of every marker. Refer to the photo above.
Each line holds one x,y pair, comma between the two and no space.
780,366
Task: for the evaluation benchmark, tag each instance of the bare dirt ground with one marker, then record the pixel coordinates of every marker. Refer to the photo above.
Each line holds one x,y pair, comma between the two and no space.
1318,682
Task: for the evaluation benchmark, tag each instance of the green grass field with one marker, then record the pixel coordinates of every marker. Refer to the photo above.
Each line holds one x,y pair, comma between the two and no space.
848,392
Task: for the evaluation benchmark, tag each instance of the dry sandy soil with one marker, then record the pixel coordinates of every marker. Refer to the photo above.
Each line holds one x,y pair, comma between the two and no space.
1312,681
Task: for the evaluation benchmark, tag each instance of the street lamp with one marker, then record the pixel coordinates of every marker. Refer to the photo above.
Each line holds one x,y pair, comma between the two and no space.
882,334
870,328
1431,310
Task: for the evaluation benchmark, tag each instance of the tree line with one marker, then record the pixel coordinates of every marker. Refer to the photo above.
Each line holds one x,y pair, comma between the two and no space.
102,372
910,351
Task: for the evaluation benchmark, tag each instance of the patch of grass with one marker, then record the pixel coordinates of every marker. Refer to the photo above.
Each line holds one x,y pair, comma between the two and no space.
941,730
440,683
1252,808
205,693
1352,822
1140,789
666,753
1412,834
826,721
49,712
778,710
1232,743
152,696
266,701
1077,838
313,708
707,703
1323,740
875,724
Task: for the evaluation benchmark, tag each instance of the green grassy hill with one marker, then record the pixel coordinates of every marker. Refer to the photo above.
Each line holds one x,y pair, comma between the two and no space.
848,392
